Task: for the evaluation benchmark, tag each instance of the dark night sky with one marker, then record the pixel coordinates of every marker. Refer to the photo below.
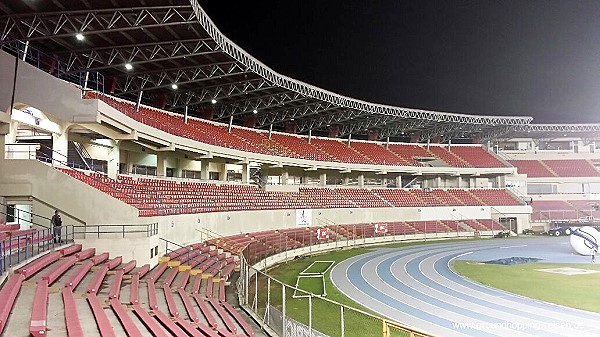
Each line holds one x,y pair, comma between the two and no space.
523,58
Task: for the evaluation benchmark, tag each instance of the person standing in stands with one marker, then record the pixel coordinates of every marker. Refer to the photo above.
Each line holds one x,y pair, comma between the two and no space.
56,223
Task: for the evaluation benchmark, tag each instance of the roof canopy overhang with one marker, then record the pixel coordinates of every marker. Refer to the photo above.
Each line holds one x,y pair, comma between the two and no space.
172,56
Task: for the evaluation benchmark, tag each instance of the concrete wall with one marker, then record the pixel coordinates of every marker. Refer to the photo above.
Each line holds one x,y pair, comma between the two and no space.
190,228
76,200
138,249
32,88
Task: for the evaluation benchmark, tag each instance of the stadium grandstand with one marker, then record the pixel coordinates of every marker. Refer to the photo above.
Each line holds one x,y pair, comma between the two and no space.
181,166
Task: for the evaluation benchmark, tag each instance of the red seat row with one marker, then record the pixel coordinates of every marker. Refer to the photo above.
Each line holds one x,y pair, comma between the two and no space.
321,149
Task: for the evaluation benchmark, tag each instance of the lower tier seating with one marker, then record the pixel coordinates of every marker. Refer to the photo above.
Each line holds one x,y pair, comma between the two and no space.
184,295
274,241
103,295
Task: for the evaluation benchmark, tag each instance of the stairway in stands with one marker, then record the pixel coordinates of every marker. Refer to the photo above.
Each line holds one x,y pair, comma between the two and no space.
76,292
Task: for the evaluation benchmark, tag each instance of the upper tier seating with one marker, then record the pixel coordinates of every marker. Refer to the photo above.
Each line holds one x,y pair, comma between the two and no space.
410,153
302,147
448,157
572,168
399,197
532,168
165,197
477,156
283,145
341,152
380,154
556,168
495,197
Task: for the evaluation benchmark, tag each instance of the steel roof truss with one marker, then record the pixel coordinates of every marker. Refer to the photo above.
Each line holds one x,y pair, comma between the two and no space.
39,26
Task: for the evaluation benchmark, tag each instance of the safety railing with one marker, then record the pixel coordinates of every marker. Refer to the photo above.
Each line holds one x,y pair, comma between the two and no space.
51,65
115,230
35,152
19,246
558,215
284,309
317,238
268,300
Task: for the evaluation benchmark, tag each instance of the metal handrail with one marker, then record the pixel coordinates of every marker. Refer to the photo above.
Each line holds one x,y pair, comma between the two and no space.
37,58
15,249
149,229
248,270
30,213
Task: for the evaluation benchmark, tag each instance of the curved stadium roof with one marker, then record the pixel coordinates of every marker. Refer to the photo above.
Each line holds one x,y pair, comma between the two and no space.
175,42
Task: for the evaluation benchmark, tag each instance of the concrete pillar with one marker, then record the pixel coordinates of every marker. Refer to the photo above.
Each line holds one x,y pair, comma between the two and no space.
245,173
399,181
284,177
204,163
346,181
264,174
223,172
114,158
161,164
60,146
11,137
459,179
361,181
179,169
128,164
2,147
438,182
500,181
323,179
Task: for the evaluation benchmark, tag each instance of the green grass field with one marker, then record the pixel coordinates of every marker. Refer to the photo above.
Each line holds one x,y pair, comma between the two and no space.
318,267
326,316
576,291
311,285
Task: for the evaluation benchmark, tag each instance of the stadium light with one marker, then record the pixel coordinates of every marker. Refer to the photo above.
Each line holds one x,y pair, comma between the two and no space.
79,37
128,66
174,86
255,111
213,101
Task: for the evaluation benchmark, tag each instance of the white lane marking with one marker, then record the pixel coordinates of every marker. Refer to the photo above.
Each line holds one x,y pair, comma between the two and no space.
547,309
515,246
371,300
506,315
